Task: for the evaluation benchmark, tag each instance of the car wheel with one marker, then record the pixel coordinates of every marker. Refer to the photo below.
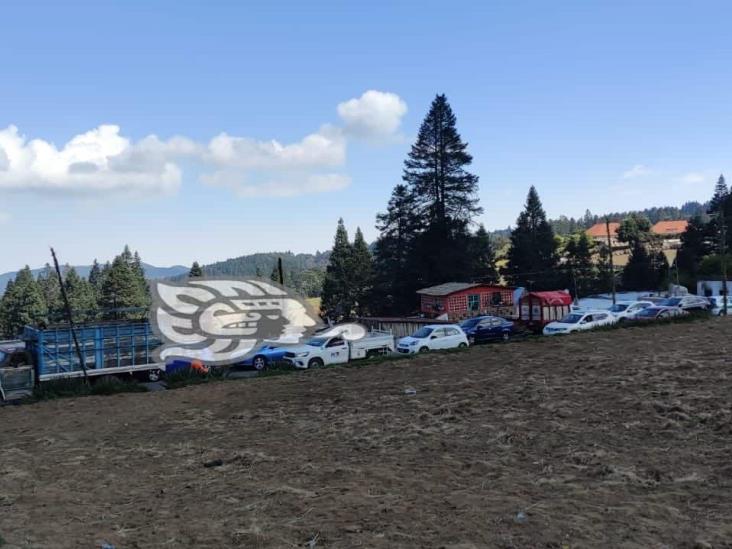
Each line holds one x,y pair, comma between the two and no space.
153,375
462,345
506,336
423,349
259,363
315,363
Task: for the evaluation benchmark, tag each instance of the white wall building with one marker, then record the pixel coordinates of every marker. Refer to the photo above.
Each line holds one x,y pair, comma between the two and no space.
712,287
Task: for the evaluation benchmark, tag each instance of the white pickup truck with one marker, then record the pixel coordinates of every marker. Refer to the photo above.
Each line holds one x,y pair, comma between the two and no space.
325,350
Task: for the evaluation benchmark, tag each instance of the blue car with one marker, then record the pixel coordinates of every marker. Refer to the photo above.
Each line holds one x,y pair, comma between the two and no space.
480,329
264,356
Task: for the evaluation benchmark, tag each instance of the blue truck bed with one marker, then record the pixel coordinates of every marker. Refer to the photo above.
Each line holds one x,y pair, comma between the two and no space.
105,346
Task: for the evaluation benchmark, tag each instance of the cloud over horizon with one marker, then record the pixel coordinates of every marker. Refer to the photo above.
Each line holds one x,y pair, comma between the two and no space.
102,160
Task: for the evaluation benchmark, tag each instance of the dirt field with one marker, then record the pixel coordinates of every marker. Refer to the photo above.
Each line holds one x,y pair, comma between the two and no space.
611,439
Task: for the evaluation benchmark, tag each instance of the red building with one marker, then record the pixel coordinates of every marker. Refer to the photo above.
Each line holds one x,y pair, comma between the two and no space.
540,308
460,300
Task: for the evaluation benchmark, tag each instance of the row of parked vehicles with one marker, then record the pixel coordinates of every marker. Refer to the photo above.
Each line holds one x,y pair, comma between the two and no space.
321,351
642,310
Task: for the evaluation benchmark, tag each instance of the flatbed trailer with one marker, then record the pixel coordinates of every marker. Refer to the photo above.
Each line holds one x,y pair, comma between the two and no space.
47,354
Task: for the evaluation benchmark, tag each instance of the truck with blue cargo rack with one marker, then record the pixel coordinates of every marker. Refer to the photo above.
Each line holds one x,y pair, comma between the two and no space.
46,354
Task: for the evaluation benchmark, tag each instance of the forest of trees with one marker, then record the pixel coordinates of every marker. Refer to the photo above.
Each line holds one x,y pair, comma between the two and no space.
114,290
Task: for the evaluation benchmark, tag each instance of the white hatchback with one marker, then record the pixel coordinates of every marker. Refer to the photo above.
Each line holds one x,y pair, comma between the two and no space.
580,321
432,338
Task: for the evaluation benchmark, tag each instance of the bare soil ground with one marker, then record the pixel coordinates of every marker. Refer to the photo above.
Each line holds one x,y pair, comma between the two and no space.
611,439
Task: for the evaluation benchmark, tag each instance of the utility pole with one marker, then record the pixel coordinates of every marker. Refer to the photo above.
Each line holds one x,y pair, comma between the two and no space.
610,256
723,250
280,274
69,316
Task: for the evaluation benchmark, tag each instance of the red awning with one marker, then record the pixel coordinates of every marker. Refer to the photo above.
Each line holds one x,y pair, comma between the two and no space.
556,297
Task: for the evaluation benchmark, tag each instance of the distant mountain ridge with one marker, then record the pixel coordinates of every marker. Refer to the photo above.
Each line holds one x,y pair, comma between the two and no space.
151,272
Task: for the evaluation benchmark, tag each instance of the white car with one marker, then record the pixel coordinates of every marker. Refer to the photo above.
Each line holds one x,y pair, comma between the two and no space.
580,321
626,310
433,337
325,350
716,305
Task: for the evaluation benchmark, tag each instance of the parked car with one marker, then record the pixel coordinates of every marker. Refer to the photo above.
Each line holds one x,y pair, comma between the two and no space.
487,328
433,337
324,350
686,302
580,321
626,310
657,313
266,355
716,305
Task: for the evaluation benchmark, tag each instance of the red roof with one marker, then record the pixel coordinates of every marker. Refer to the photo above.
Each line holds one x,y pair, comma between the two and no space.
555,297
600,230
670,227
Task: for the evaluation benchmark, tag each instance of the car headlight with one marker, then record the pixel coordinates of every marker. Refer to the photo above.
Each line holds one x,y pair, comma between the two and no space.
413,343
304,353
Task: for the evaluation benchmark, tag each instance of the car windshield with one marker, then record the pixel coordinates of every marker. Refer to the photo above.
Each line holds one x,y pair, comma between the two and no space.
571,318
671,302
618,308
469,323
422,333
317,341
648,311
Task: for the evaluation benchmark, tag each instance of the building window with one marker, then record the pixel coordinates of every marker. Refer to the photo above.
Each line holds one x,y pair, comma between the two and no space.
496,298
473,302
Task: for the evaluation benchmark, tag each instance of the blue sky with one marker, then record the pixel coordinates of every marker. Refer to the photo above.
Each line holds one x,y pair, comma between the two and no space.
600,105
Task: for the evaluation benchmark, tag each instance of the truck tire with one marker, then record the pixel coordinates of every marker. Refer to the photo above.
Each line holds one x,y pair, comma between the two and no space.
259,362
153,375
315,363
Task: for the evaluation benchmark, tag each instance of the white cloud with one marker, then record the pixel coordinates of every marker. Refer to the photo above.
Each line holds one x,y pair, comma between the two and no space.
288,185
102,160
4,218
639,170
375,114
693,178
327,147
87,163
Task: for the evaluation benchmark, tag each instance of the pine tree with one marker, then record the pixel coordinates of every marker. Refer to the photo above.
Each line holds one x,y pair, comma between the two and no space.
483,257
124,286
22,304
96,277
435,169
697,242
337,300
394,284
196,271
721,195
51,290
274,276
532,257
361,278
81,295
581,269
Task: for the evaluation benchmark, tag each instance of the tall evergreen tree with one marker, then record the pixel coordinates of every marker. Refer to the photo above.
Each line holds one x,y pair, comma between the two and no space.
337,300
445,198
395,284
96,276
22,304
532,257
483,257
581,269
196,271
697,242
435,169
361,278
51,290
721,194
81,294
124,285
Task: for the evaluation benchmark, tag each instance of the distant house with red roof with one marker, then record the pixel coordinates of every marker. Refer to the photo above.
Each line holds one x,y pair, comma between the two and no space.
670,231
598,233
